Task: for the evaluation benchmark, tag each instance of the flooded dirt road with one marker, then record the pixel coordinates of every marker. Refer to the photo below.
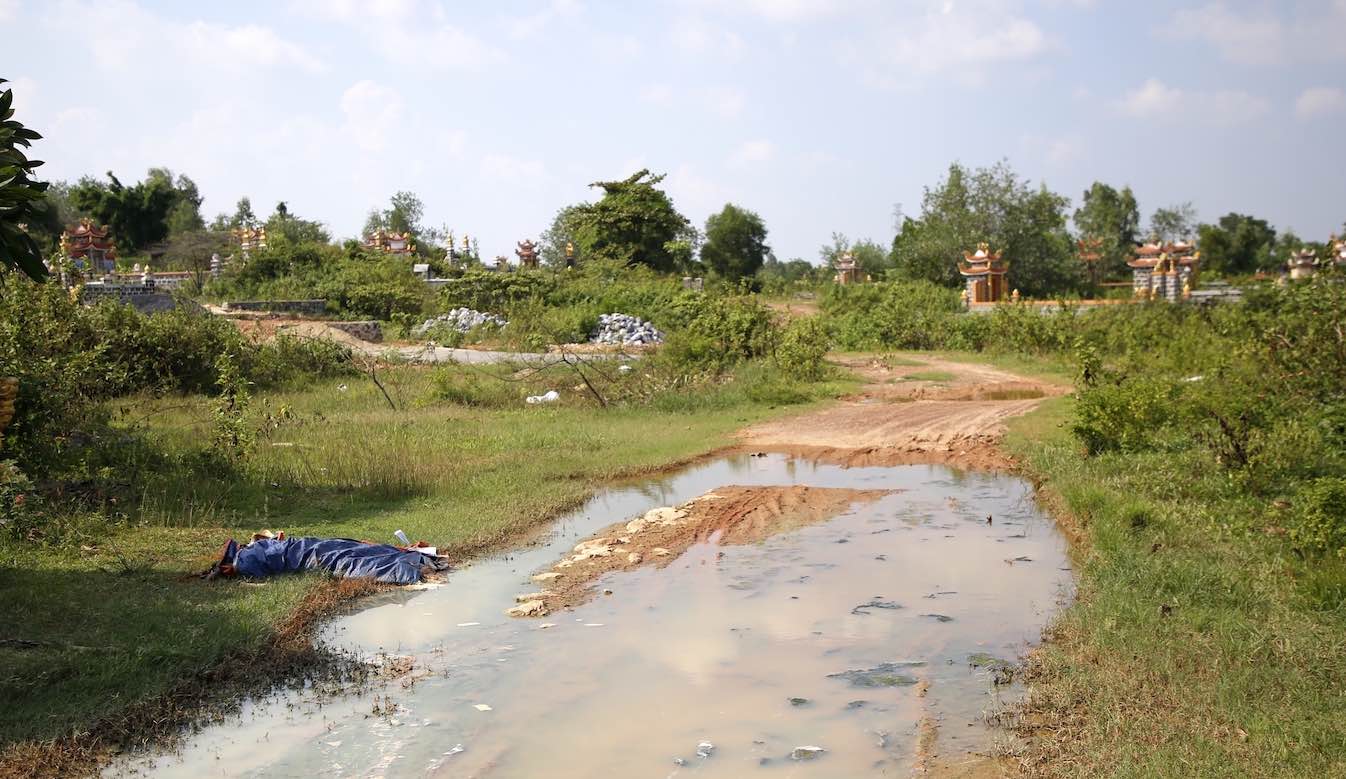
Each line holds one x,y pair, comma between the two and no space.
863,645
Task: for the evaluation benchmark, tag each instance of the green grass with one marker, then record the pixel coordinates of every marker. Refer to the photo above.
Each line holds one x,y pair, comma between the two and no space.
1199,644
118,619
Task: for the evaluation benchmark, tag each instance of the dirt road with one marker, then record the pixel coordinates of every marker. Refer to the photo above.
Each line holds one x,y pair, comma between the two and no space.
910,411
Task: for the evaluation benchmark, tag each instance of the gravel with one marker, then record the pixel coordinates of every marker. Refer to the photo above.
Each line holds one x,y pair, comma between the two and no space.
624,329
460,319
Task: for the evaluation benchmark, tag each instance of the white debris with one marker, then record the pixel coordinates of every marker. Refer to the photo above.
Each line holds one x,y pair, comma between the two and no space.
806,752
550,396
482,707
460,319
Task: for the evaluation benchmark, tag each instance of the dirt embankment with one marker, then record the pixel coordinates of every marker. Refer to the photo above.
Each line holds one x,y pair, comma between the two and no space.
935,411
726,516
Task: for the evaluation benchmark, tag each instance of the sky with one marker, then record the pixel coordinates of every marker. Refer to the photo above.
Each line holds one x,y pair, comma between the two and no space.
820,116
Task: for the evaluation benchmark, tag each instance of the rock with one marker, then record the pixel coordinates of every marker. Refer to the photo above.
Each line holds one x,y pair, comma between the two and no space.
679,761
806,753
659,551
705,749
882,675
799,701
546,577
459,319
939,617
533,596
634,558
625,330
591,543
532,608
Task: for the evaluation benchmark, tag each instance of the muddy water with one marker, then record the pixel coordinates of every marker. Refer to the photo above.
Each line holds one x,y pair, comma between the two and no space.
737,647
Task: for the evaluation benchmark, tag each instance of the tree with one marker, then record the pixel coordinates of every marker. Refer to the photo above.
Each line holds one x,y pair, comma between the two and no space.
735,242
138,215
21,198
1175,223
192,252
185,215
1237,244
634,222
1113,219
403,215
564,230
284,226
995,206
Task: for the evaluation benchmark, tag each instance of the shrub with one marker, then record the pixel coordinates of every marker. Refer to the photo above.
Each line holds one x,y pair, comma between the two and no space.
1124,415
1320,517
802,348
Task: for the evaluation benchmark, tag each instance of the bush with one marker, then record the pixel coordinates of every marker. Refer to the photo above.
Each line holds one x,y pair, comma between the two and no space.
802,348
1124,415
1320,517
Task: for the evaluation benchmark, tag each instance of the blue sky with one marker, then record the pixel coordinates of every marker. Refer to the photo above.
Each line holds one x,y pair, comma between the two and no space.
820,116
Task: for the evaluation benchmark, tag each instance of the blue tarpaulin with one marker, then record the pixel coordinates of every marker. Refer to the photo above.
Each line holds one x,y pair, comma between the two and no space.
342,556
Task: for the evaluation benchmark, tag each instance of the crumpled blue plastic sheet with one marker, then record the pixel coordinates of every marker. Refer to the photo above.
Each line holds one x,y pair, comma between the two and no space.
343,557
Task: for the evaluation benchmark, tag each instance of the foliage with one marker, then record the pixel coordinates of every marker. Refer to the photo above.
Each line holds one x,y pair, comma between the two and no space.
285,227
403,215
802,347
871,258
903,315
232,435
1320,517
1112,218
735,244
1174,223
1123,414
564,230
995,206
139,215
192,251
1237,244
70,358
21,198
634,222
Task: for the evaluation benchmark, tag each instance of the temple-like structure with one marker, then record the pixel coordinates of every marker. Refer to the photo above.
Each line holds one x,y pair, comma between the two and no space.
1302,264
249,239
390,243
1167,271
527,252
848,270
89,249
984,272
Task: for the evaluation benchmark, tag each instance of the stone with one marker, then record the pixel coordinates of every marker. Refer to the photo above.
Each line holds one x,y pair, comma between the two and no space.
799,701
546,577
881,675
659,551
531,608
806,753
634,558
705,749
533,596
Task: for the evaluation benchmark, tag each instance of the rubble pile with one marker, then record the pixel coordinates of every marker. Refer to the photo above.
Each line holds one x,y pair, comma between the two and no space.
460,319
625,330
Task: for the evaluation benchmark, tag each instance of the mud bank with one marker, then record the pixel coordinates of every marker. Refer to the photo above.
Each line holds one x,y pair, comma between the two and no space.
731,515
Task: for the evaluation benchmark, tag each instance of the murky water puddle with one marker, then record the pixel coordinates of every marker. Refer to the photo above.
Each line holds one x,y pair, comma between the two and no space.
742,648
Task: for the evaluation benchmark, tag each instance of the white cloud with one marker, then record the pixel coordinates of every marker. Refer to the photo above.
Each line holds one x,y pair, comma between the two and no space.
147,41
9,10
414,33
963,40
1238,38
725,101
1317,101
1156,100
694,35
512,170
760,150
529,26
373,112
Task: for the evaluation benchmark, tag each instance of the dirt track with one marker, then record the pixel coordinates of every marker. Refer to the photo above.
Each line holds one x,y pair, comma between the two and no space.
938,411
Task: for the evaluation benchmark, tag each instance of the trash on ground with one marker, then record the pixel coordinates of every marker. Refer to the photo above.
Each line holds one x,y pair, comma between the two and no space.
550,396
806,753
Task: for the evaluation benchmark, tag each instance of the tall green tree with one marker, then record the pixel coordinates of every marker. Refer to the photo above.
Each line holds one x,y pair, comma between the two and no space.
139,215
1174,223
871,258
634,222
564,230
735,244
1028,224
403,215
1237,244
21,197
286,226
1112,218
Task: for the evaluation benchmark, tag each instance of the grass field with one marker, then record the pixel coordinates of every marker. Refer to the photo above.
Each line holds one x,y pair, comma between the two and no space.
107,613
1200,644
